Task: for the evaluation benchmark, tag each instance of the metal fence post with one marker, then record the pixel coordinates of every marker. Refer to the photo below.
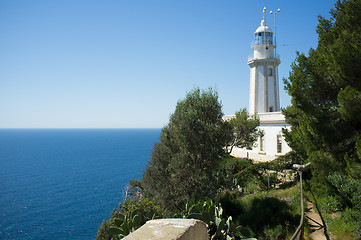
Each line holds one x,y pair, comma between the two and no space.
299,232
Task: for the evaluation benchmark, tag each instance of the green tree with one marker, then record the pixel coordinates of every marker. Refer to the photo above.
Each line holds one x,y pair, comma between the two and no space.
245,130
325,87
182,164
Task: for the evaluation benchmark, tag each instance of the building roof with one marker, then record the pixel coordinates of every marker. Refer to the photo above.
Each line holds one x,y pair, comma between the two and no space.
265,118
272,118
263,27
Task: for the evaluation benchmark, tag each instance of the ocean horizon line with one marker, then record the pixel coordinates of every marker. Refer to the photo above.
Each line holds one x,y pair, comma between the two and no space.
85,128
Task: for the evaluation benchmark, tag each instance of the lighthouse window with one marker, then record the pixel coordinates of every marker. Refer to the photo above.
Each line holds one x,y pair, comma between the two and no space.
260,38
269,38
264,38
270,72
279,143
261,144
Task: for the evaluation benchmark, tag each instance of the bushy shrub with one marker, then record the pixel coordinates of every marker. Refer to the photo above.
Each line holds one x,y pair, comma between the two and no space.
275,233
130,215
344,225
347,195
103,231
261,213
143,207
233,165
182,166
332,203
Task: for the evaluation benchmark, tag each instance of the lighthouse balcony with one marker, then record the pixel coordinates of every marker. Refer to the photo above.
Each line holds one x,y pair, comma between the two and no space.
266,42
274,56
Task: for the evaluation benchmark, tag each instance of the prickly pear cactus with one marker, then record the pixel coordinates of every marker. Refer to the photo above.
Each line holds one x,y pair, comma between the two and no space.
219,228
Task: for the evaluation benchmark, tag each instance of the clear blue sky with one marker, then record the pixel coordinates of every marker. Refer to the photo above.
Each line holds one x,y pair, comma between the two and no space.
125,64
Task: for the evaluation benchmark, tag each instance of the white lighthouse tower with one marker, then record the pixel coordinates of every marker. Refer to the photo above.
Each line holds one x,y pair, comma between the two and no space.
264,93
264,100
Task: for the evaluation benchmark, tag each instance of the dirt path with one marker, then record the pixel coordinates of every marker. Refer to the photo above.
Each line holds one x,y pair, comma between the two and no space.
314,221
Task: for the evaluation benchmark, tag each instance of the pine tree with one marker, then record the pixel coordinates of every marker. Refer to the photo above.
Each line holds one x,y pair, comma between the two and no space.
325,114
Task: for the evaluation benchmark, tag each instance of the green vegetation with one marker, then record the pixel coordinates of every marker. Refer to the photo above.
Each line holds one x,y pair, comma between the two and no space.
219,227
245,130
130,215
265,214
235,212
258,212
325,112
191,175
182,164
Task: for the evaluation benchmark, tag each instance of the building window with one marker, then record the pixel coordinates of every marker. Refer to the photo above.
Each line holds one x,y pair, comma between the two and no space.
270,108
279,143
261,143
270,72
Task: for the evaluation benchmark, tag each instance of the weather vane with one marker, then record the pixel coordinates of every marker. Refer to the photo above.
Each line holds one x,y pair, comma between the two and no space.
274,14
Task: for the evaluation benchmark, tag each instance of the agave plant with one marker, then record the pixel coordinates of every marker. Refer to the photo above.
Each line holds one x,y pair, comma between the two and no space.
125,224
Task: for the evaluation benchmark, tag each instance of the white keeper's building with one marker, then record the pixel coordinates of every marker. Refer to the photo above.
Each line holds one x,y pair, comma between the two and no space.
264,97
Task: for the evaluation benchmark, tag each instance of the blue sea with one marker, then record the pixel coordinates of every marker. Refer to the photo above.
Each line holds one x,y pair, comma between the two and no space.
62,183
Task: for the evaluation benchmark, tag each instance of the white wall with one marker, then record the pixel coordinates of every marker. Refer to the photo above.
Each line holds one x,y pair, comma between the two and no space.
252,88
261,94
271,124
263,52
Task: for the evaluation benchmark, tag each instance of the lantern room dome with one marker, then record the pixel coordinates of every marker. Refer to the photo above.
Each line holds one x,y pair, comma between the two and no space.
263,28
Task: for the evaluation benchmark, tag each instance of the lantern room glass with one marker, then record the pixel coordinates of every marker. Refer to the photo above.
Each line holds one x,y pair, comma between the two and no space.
264,38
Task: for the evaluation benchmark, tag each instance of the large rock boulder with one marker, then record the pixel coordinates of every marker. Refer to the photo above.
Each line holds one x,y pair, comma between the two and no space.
171,229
